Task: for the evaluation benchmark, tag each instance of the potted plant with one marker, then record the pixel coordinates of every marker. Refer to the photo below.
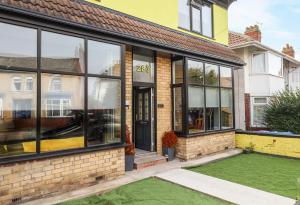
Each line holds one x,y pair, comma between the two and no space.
169,141
129,152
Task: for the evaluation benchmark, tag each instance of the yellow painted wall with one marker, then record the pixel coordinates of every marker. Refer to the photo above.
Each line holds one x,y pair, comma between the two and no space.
270,145
165,13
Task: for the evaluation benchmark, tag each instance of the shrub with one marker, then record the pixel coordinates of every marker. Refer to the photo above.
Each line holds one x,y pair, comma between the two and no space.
169,139
130,149
283,112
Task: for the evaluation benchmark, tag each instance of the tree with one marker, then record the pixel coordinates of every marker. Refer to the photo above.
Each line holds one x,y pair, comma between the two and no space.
283,112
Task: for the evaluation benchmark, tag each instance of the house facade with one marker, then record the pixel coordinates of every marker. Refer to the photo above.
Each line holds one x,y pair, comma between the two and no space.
73,74
267,72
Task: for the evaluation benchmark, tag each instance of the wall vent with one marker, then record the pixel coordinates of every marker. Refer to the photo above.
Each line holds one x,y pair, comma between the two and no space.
17,199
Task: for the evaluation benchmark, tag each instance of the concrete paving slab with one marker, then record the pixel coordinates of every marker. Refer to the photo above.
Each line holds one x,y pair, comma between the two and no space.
228,191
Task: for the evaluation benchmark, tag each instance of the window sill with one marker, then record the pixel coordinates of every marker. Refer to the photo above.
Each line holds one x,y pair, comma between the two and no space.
203,134
40,156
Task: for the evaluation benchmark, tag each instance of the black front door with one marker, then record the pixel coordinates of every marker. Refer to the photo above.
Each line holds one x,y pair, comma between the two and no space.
142,116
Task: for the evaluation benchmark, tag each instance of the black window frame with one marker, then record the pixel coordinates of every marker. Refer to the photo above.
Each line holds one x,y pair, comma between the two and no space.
185,102
199,7
38,71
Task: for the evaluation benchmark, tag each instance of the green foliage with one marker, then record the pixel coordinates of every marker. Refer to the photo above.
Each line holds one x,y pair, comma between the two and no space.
283,112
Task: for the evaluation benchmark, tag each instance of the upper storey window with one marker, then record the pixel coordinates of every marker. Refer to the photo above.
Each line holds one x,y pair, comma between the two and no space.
196,16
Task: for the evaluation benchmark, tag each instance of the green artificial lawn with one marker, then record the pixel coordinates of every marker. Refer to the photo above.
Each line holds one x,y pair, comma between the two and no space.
150,191
272,174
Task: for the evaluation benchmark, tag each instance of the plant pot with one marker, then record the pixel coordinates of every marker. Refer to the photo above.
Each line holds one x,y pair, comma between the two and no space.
129,162
169,152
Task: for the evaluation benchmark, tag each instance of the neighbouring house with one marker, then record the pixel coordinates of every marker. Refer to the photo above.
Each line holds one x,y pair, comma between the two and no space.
267,71
73,74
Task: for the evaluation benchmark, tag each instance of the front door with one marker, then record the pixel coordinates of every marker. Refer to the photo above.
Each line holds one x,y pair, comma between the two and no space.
142,118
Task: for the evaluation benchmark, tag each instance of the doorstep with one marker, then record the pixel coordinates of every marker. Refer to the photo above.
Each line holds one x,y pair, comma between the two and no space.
144,159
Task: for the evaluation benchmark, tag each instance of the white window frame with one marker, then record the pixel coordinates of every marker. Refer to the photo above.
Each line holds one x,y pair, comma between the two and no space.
26,83
53,79
266,63
257,104
49,106
267,69
13,87
268,66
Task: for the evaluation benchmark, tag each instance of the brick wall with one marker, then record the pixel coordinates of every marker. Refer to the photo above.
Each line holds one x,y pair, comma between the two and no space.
33,179
164,97
194,147
128,86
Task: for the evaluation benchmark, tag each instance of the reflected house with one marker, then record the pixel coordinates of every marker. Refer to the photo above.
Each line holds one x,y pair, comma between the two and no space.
72,82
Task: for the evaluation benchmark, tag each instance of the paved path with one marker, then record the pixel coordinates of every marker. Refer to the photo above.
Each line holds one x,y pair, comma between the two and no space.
222,189
131,177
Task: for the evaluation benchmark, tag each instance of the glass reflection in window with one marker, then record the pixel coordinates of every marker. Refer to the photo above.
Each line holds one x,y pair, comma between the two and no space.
196,109
62,113
62,52
225,77
104,59
104,108
177,109
195,72
212,109
178,72
226,108
18,46
18,116
211,75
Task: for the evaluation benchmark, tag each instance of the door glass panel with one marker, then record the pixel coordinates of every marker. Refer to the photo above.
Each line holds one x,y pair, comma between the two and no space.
146,116
140,106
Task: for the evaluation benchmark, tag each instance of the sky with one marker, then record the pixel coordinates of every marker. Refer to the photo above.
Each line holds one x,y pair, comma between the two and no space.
279,21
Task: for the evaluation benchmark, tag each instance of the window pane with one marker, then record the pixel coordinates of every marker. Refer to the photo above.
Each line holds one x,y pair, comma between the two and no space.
104,108
258,115
196,109
227,108
104,58
211,75
178,72
195,72
62,113
143,66
184,14
177,109
18,46
226,77
62,52
17,116
196,20
212,109
207,20
275,65
259,64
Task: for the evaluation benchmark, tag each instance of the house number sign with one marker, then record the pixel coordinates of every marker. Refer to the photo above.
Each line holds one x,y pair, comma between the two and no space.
143,69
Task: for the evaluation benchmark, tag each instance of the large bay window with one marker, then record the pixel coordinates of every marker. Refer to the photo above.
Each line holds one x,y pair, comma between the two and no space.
196,16
58,92
208,97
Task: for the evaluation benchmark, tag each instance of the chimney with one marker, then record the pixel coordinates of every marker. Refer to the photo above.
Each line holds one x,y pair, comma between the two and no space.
254,32
289,50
